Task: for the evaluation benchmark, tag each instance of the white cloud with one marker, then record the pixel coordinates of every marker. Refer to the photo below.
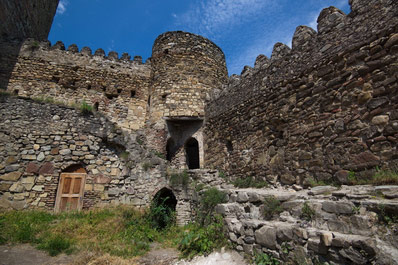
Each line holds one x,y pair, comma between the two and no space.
212,17
62,7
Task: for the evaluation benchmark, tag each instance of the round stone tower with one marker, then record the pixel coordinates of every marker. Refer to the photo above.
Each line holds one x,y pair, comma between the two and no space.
185,68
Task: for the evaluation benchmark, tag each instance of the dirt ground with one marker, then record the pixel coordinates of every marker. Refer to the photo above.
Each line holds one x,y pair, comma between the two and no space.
28,255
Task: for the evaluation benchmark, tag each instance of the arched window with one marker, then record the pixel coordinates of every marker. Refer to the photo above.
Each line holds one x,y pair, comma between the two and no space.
192,153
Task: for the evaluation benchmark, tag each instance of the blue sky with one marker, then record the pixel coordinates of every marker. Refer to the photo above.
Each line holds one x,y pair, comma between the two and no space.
243,29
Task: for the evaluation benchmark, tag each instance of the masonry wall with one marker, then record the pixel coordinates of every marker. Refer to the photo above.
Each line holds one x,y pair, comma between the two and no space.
116,87
26,18
39,140
325,107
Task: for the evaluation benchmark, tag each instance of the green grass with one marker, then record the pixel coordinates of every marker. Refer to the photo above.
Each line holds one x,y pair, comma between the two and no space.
120,231
250,182
380,177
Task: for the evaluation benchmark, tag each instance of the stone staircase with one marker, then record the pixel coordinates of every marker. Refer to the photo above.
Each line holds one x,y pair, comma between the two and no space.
346,225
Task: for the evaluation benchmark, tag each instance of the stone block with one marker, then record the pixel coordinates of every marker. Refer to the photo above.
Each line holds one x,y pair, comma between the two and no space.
100,179
16,187
38,188
13,176
5,186
266,236
29,157
338,207
99,187
46,169
32,168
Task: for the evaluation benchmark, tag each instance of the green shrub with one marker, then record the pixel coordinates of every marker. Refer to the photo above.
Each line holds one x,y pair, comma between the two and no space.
208,202
272,206
250,182
307,213
85,108
160,214
202,240
179,178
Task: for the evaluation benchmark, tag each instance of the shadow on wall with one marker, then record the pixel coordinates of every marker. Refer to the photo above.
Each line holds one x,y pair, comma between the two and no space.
9,51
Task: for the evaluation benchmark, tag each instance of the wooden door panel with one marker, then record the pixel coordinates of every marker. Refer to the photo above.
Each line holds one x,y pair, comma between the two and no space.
67,181
77,186
70,191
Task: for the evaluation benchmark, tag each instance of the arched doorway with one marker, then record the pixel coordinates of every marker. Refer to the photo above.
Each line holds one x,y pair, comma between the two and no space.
192,153
71,189
163,208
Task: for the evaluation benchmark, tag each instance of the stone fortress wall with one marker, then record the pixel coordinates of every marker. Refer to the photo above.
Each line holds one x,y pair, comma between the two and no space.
325,107
116,87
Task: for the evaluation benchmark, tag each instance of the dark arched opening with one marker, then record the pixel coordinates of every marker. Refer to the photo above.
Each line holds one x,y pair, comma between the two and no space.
75,168
163,208
170,149
192,153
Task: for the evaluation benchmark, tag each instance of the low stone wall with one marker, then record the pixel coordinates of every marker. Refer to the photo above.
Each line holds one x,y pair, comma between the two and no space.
347,225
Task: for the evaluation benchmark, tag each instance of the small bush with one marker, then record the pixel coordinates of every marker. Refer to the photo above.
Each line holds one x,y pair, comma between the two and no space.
179,178
307,213
272,206
85,108
250,182
208,202
200,240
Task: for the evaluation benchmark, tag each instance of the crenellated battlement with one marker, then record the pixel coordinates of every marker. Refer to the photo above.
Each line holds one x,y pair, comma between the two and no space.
31,44
337,36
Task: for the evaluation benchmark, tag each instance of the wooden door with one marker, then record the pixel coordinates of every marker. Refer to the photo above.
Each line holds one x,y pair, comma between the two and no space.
70,192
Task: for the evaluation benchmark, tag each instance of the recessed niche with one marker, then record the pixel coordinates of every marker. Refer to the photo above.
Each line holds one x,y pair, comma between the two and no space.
132,93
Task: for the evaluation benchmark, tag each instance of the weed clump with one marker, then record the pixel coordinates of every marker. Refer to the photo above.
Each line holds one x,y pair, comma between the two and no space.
179,178
307,212
85,108
271,206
